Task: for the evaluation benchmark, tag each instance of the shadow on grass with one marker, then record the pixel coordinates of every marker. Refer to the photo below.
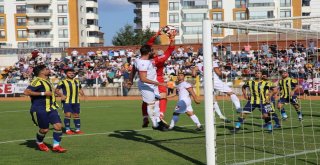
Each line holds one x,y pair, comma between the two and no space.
135,136
33,144
186,130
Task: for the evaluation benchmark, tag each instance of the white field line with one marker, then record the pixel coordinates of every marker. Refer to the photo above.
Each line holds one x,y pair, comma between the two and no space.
82,135
29,110
277,157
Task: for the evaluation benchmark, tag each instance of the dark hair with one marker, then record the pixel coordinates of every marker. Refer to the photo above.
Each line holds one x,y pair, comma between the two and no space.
38,69
145,49
68,70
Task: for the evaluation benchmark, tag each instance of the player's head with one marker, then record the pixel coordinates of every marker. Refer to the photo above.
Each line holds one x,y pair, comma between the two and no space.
180,76
264,75
258,74
41,70
146,50
69,73
284,74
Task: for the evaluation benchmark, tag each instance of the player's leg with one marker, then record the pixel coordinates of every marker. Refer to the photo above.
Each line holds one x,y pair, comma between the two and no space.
163,100
194,118
235,100
218,111
295,103
57,132
67,108
265,109
41,120
248,108
181,107
281,108
144,108
274,115
76,118
223,87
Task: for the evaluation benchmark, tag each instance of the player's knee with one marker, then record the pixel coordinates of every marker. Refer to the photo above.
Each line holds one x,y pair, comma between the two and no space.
265,116
67,114
163,95
189,113
57,126
44,131
76,115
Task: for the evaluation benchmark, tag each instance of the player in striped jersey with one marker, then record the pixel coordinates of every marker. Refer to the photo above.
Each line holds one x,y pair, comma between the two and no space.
44,108
288,86
259,98
71,88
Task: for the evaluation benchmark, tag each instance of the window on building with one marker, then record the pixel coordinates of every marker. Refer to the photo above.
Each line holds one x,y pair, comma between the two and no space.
2,34
306,14
63,33
82,33
285,3
241,16
2,21
217,30
63,44
285,25
153,5
1,9
22,44
193,30
62,21
306,2
21,21
63,8
241,31
217,16
173,5
154,14
21,9
285,13
194,17
306,27
154,25
216,4
22,33
173,18
241,3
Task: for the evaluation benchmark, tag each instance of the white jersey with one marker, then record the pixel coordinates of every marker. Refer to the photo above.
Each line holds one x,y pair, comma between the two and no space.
183,92
215,65
146,66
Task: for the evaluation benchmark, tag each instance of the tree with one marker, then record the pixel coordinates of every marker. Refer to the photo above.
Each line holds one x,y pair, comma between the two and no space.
128,36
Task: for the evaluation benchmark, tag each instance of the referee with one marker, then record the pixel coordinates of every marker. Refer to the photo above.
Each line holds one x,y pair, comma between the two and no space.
44,108
71,88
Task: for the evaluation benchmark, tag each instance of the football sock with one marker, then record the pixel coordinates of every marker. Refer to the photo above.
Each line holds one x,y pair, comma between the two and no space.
195,119
275,118
67,123
151,114
77,123
282,110
144,108
217,110
163,105
56,137
40,136
267,120
235,101
174,120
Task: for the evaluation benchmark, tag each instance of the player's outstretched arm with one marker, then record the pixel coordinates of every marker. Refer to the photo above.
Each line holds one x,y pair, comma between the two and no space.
153,38
194,96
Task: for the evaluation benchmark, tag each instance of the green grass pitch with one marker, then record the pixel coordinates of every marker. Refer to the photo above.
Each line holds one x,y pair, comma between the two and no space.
113,135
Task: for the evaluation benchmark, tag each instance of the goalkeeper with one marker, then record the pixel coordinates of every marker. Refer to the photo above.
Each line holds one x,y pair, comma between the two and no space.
259,98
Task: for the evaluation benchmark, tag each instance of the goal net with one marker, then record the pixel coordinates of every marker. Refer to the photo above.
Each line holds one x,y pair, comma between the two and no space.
271,46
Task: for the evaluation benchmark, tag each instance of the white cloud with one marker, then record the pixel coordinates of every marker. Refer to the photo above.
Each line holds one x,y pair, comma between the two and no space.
115,2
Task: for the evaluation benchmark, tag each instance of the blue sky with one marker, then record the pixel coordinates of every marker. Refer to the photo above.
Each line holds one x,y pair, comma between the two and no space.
113,15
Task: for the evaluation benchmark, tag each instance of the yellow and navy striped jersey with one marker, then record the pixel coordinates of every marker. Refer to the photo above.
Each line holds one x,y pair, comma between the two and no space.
271,87
70,88
47,103
286,86
258,91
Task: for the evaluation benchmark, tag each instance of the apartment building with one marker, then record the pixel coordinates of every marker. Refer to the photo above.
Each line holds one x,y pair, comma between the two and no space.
49,23
187,15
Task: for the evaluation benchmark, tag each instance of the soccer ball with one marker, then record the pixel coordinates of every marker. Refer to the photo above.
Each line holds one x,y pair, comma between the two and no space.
168,30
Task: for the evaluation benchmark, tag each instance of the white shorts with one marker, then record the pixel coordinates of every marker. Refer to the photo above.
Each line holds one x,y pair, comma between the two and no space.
149,94
221,86
183,106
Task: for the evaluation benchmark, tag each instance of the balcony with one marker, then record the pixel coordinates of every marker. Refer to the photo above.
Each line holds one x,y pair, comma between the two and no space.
92,15
137,19
92,4
92,28
195,7
136,11
93,39
39,25
39,13
192,20
271,4
37,2
285,4
39,38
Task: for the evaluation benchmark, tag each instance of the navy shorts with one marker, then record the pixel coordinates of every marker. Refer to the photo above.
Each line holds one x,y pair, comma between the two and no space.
72,108
292,100
42,119
248,108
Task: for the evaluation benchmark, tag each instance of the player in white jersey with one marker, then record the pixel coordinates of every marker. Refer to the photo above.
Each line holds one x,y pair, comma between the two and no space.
148,86
223,87
184,104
